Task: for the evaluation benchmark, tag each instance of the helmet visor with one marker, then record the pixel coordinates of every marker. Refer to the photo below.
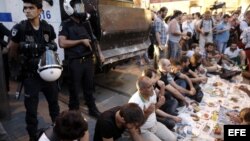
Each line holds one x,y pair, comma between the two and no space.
79,8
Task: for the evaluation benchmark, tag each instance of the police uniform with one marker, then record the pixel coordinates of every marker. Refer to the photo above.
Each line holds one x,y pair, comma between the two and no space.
5,32
80,65
33,84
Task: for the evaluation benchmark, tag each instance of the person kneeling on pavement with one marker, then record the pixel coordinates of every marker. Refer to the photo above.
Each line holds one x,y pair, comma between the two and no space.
69,126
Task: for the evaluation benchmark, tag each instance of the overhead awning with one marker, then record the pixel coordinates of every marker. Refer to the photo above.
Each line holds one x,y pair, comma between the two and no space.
159,1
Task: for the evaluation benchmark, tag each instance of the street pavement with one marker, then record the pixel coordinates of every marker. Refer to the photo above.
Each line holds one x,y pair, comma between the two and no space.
112,89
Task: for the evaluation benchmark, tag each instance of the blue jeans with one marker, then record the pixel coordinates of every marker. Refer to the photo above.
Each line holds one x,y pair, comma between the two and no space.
170,105
181,83
174,50
168,122
221,46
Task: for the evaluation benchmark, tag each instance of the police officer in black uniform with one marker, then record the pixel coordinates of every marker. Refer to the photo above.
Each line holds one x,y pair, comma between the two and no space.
75,40
5,32
28,39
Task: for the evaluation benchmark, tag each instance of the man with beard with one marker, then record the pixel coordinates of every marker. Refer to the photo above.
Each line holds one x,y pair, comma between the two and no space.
160,35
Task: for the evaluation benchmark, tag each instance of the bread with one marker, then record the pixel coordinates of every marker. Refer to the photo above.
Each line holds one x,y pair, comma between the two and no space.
217,84
195,117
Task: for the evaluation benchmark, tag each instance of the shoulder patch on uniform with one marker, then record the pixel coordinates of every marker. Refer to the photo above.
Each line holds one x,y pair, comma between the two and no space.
60,28
46,37
14,32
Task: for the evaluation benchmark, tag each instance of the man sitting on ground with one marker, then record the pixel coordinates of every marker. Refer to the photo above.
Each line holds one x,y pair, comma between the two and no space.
170,118
145,97
183,67
112,123
166,76
233,53
69,126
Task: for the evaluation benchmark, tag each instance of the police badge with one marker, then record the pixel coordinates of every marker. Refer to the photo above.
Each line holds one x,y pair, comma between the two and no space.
46,37
14,32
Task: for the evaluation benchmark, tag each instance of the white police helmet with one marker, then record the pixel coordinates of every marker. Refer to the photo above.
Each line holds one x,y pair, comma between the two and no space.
49,67
74,7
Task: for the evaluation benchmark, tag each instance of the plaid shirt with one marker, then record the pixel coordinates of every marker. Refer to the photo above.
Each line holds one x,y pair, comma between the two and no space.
159,26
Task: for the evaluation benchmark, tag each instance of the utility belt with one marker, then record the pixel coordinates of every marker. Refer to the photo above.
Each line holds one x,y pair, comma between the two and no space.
83,58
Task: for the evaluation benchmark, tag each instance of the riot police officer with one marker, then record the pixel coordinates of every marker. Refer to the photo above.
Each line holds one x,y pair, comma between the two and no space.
75,39
28,39
5,32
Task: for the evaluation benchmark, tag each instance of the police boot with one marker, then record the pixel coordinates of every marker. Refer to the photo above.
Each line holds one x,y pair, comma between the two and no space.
93,111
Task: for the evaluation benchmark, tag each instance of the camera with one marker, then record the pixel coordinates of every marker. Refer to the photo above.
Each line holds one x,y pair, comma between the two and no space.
189,34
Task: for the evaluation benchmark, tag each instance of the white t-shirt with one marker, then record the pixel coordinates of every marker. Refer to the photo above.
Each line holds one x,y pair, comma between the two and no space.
43,138
151,120
190,53
188,27
231,54
243,25
166,26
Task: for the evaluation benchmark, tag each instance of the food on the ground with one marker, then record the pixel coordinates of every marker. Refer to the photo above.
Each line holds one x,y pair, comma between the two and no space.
196,109
195,106
217,92
217,84
244,89
234,99
206,128
236,107
215,115
206,116
195,117
210,104
217,130
194,103
232,113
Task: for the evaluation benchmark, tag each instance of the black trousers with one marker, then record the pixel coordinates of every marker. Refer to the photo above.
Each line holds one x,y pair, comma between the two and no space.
81,75
32,87
6,70
168,122
171,104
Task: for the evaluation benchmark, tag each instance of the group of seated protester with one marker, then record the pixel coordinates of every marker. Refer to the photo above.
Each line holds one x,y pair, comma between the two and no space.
154,114
159,94
211,60
151,113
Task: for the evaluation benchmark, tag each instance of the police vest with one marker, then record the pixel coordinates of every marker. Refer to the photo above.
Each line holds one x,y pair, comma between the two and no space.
33,45
31,39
